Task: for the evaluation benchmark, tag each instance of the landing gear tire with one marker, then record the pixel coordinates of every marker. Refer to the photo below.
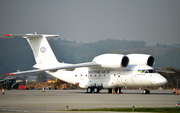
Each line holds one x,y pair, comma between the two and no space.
96,90
89,90
146,91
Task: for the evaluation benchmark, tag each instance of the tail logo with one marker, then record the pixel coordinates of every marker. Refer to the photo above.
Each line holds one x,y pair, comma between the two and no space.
43,49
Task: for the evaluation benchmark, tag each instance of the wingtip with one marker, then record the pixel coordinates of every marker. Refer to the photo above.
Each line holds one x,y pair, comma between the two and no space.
10,74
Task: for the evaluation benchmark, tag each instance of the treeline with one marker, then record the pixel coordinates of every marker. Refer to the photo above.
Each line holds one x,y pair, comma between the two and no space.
76,53
15,53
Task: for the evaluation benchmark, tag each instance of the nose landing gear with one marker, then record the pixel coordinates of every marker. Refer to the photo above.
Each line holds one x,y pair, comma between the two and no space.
146,91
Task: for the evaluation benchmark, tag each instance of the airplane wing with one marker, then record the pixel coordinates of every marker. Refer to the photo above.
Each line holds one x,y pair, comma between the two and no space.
163,70
54,69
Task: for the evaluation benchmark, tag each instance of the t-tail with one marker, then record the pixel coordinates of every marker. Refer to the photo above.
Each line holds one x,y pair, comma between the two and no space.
42,51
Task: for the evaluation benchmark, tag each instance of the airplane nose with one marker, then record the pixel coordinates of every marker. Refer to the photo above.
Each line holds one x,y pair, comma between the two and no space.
160,80
163,80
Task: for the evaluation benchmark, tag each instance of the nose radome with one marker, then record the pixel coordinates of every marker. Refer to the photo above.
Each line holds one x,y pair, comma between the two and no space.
160,80
163,80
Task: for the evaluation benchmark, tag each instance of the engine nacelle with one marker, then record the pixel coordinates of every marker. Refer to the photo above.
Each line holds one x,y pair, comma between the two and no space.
143,59
112,61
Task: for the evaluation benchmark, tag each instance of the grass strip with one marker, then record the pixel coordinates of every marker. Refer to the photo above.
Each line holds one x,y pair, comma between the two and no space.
163,109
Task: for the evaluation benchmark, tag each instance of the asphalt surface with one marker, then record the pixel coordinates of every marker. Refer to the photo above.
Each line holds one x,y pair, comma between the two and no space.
58,100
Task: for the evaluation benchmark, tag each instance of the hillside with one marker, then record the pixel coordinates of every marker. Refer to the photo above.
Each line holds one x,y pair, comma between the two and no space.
15,53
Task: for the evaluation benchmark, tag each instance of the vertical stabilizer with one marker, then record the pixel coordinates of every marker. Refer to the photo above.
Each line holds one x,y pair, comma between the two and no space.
42,51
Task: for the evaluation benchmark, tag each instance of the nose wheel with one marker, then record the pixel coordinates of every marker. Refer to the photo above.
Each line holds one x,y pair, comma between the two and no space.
146,91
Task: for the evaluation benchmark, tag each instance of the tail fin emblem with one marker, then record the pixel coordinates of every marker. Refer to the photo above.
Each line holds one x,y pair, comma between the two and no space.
43,49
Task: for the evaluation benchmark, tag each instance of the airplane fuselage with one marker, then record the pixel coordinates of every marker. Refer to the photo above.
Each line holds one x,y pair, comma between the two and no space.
107,78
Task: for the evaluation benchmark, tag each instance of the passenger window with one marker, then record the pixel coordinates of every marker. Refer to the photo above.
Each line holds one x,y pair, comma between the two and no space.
146,71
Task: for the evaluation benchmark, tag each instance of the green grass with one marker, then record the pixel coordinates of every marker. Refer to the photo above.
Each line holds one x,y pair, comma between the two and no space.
165,109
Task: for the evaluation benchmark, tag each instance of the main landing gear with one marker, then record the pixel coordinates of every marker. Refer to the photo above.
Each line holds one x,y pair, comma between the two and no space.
93,89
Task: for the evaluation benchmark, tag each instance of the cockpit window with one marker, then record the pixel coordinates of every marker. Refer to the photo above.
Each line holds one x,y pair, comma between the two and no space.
152,71
143,71
148,71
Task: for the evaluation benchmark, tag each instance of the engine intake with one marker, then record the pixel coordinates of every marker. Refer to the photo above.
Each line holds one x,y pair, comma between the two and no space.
151,61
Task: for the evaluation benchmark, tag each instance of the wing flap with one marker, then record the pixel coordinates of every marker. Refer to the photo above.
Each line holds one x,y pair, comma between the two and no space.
68,67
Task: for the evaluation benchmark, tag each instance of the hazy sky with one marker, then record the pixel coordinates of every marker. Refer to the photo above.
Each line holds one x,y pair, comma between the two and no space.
153,21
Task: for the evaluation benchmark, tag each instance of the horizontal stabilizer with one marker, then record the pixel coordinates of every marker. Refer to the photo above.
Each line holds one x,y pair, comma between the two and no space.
31,35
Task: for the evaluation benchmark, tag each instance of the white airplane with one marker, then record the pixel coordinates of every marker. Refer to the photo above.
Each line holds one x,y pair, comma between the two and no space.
106,71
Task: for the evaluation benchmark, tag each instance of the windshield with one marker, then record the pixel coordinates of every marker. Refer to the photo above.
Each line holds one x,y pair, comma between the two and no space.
152,71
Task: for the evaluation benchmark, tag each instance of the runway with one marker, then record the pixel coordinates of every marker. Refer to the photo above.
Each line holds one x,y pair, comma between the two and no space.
57,100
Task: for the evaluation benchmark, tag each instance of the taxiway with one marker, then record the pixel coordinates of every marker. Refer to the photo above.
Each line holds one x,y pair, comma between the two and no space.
57,100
